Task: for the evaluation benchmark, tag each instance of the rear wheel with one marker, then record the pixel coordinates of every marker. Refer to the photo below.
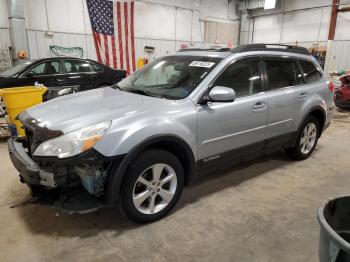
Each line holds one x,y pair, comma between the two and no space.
152,186
306,141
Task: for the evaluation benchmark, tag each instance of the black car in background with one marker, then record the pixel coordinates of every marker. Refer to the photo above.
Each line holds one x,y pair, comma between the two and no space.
61,72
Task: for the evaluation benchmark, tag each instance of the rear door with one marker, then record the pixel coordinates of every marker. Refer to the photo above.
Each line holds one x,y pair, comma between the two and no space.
79,74
285,88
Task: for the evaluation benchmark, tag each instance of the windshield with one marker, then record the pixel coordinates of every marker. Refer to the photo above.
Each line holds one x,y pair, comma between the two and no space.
172,77
16,69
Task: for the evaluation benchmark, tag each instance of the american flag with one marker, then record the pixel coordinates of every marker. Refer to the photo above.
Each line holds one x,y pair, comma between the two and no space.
112,24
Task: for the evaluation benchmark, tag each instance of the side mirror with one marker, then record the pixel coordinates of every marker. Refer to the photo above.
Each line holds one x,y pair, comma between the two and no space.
222,94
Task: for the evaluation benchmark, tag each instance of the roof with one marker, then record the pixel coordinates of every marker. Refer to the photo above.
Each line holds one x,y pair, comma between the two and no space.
223,52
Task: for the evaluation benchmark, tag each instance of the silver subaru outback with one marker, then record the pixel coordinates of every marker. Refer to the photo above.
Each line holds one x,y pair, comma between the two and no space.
139,142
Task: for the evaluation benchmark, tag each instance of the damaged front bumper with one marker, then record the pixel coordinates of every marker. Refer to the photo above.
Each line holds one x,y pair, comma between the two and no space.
84,177
30,172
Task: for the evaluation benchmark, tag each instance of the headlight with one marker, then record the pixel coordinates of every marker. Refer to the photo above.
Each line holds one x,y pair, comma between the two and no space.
73,143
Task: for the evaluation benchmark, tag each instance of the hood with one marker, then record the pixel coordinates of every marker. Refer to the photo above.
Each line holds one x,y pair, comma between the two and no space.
71,112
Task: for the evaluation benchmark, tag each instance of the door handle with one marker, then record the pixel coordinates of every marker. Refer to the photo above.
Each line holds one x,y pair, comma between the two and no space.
303,96
259,106
59,80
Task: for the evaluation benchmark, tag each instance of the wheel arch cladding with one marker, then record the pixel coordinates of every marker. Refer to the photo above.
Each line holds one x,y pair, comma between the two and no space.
320,115
170,143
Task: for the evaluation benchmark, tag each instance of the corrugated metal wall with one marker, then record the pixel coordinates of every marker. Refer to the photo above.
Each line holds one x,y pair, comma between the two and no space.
39,43
337,56
306,22
5,60
162,26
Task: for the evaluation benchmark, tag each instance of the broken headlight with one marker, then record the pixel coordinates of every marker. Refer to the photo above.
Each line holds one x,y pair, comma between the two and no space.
73,143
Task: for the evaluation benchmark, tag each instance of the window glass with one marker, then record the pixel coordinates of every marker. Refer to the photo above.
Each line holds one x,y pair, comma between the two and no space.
46,68
281,73
96,68
76,66
243,77
311,74
52,67
298,74
171,77
39,69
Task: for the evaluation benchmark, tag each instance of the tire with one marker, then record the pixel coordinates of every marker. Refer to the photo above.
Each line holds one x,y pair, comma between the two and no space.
303,148
141,187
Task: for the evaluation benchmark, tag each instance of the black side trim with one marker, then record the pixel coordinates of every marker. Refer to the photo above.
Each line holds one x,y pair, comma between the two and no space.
115,180
247,153
310,111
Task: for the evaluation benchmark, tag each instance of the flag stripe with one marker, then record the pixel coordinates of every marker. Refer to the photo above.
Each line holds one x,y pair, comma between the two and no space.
116,37
112,25
132,37
120,35
114,52
97,44
126,38
106,49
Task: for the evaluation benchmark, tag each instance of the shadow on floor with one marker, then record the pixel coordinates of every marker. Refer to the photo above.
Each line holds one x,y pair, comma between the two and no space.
45,220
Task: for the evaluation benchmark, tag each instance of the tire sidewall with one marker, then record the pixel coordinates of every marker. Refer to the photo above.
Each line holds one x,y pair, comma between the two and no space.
141,163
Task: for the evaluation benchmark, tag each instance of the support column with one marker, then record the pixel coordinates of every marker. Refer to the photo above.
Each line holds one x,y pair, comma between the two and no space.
18,36
244,28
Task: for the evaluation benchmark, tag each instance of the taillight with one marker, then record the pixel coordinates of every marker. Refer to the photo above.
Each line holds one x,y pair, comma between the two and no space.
331,87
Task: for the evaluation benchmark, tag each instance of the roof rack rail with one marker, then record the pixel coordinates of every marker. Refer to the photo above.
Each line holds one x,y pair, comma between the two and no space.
271,47
223,49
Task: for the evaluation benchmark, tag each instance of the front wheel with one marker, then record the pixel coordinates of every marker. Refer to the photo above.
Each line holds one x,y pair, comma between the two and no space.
306,141
152,186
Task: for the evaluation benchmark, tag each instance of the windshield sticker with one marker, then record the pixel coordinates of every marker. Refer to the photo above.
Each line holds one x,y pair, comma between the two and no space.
202,64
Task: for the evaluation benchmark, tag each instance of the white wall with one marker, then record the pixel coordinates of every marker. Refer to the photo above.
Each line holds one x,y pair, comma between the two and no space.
5,61
164,24
305,26
3,14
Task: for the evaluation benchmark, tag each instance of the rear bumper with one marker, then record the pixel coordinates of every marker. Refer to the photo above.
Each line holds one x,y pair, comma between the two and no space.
29,171
342,103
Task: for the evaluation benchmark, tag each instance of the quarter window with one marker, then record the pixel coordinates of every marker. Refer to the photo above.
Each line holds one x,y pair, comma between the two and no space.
96,68
243,77
283,73
311,73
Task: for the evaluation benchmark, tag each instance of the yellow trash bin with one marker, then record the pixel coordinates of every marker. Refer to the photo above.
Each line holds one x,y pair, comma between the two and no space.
18,99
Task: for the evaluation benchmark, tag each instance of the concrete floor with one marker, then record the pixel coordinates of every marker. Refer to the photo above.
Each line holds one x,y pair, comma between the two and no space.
261,211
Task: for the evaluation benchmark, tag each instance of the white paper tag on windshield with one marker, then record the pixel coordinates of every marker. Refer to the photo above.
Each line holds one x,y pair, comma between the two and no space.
202,64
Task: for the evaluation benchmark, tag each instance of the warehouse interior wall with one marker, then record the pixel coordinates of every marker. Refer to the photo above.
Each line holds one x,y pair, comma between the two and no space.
164,24
304,23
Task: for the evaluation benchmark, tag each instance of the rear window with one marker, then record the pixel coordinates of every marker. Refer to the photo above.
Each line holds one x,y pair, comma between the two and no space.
282,73
311,73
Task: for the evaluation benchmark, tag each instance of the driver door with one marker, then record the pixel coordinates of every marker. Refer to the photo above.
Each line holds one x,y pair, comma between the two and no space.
225,126
43,73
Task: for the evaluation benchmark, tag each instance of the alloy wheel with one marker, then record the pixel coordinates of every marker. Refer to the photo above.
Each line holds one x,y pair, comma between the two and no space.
155,188
308,138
